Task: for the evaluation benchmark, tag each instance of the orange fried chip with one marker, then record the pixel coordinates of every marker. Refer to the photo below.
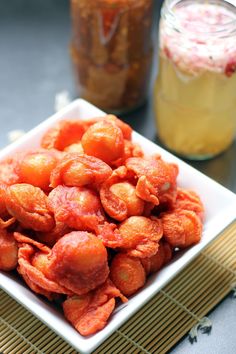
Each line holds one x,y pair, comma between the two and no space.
156,176
104,140
168,252
8,251
36,167
76,147
9,171
156,262
51,237
35,276
80,170
127,273
89,313
124,127
141,236
63,134
189,200
126,192
29,205
181,228
77,207
114,206
79,262
3,209
109,235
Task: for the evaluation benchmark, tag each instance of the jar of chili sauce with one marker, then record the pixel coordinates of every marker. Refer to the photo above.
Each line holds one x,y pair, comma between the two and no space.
112,51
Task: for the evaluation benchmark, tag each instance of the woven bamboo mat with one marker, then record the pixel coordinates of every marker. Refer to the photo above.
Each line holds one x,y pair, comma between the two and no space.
156,327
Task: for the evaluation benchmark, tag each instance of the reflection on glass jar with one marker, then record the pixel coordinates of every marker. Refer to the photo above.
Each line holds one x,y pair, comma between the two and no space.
195,92
112,51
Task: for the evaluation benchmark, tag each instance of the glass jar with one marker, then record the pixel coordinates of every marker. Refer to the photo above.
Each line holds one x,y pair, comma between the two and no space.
112,51
195,91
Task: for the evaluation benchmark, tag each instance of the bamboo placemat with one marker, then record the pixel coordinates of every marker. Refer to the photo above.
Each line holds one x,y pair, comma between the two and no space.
173,312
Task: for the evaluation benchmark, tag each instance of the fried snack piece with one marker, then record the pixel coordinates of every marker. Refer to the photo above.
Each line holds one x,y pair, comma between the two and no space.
127,273
124,127
80,170
51,237
167,199
189,200
77,207
109,235
79,262
9,171
104,140
130,150
89,313
181,228
156,262
76,147
155,176
8,251
33,266
126,192
141,236
63,134
36,167
168,252
7,223
3,210
29,205
114,206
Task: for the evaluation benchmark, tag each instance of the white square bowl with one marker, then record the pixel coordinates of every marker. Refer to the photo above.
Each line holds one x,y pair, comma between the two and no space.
220,205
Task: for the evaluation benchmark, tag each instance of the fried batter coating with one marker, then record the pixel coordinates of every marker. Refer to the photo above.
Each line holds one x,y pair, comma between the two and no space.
63,134
9,171
4,224
141,236
124,127
89,313
8,251
79,262
51,237
77,147
189,200
181,228
29,205
126,192
130,150
77,207
127,273
3,210
80,170
104,140
114,206
156,262
156,176
33,267
109,235
36,167
168,252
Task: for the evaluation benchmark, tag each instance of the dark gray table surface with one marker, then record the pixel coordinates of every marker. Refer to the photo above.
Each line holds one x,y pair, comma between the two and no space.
34,66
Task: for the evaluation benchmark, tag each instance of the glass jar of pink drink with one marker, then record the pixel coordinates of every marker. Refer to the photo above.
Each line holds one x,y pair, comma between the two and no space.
195,92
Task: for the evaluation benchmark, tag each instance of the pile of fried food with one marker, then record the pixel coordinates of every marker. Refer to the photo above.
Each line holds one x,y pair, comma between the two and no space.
87,217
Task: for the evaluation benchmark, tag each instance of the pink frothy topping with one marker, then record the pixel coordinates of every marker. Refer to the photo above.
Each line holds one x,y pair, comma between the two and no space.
200,36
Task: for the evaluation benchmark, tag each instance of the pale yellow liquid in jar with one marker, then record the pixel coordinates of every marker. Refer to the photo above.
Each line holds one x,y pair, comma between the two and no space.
195,111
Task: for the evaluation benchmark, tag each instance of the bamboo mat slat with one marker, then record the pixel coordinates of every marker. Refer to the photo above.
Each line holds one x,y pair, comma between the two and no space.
156,327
